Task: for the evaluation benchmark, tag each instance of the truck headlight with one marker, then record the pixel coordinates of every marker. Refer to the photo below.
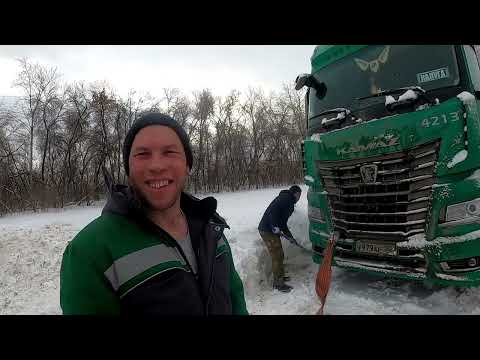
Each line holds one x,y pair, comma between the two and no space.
315,214
468,211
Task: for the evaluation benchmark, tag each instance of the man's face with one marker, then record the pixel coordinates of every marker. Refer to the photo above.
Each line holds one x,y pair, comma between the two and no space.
158,166
297,196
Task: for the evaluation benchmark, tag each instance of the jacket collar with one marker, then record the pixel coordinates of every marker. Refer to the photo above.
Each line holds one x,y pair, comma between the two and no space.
123,201
202,208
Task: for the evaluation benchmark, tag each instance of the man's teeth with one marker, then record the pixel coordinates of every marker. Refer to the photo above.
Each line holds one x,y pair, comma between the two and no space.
158,184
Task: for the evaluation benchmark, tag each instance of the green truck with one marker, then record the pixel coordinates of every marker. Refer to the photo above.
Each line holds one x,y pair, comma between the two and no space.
392,159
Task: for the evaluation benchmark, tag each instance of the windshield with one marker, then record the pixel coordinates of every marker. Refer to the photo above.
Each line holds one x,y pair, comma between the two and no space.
383,67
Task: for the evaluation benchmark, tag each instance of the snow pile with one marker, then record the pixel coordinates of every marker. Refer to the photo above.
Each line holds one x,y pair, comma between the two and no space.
408,95
419,241
389,99
444,191
458,158
338,117
466,97
450,277
30,282
474,235
316,138
414,241
309,178
251,256
31,247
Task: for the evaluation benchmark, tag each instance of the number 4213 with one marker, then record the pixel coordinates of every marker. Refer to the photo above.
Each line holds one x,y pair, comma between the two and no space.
441,120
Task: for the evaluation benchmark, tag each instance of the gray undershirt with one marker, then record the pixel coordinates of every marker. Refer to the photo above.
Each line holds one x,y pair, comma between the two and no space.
186,245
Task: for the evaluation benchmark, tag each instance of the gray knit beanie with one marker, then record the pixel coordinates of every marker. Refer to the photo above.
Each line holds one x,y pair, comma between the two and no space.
155,118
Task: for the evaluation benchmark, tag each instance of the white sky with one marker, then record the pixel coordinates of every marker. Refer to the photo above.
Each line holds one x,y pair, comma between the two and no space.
150,68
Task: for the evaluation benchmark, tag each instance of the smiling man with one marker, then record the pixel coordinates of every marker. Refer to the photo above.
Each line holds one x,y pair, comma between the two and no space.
155,250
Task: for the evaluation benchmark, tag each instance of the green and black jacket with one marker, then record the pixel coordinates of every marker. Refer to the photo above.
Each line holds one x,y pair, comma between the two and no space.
123,264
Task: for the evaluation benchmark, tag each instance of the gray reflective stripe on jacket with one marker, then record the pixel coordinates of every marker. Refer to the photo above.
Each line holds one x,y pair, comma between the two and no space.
133,264
221,242
221,246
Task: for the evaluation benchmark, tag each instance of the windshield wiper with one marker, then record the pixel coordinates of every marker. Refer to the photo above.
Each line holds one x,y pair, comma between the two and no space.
342,113
417,89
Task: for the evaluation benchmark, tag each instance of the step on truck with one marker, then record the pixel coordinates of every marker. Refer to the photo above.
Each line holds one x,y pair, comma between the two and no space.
392,159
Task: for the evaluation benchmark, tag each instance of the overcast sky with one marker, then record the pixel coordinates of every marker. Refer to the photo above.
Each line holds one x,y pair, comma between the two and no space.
150,68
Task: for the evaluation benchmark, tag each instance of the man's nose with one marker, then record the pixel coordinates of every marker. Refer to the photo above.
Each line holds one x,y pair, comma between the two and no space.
157,163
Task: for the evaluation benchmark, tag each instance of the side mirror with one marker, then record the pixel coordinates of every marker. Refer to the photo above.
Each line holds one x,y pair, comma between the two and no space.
302,80
321,89
311,82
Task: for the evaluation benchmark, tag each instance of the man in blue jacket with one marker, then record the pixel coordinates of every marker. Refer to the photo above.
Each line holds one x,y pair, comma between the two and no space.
274,224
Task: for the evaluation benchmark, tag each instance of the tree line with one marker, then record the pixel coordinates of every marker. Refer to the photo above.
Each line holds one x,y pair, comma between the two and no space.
57,138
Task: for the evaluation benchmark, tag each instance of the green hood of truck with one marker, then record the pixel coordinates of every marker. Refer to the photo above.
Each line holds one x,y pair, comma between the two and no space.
454,122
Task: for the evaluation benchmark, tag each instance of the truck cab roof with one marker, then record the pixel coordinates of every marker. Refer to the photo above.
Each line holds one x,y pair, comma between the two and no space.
324,55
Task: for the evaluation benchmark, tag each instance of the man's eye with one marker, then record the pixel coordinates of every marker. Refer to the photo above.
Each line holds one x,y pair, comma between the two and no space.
143,153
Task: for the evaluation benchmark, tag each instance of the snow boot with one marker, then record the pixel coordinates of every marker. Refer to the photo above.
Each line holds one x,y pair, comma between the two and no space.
281,286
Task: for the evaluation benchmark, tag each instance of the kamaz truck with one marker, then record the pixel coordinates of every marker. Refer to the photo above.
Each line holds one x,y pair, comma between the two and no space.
392,159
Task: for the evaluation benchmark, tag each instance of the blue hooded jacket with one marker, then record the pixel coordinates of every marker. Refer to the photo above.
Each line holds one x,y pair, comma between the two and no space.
278,212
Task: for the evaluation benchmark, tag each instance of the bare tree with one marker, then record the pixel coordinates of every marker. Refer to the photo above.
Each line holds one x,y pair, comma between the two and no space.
39,85
203,110
53,150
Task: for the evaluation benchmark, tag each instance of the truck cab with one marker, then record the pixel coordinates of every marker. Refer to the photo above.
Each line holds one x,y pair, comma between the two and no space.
392,159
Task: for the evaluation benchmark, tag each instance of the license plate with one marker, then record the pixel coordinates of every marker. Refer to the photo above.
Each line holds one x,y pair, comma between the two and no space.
376,248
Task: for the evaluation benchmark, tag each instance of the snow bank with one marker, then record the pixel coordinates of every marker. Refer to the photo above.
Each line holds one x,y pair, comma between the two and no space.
309,178
243,211
316,138
31,247
450,277
408,95
338,117
466,97
77,217
458,158
389,99
30,263
419,241
416,240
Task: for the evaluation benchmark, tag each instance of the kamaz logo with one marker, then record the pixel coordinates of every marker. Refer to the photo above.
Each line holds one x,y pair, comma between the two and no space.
376,144
369,173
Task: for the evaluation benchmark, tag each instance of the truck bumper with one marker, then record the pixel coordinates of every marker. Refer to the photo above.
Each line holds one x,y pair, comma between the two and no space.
435,253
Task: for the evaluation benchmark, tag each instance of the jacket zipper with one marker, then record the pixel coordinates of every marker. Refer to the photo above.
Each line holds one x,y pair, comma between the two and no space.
212,272
211,286
175,244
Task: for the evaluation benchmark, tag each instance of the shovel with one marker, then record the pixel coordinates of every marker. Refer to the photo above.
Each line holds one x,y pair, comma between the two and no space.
324,274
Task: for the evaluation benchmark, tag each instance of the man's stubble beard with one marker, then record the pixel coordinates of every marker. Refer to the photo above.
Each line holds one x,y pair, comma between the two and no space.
146,204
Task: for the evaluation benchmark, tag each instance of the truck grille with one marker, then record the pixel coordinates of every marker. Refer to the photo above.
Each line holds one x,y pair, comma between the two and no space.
391,207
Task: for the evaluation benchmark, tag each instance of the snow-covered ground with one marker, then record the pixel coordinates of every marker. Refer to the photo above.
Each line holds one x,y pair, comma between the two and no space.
31,247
